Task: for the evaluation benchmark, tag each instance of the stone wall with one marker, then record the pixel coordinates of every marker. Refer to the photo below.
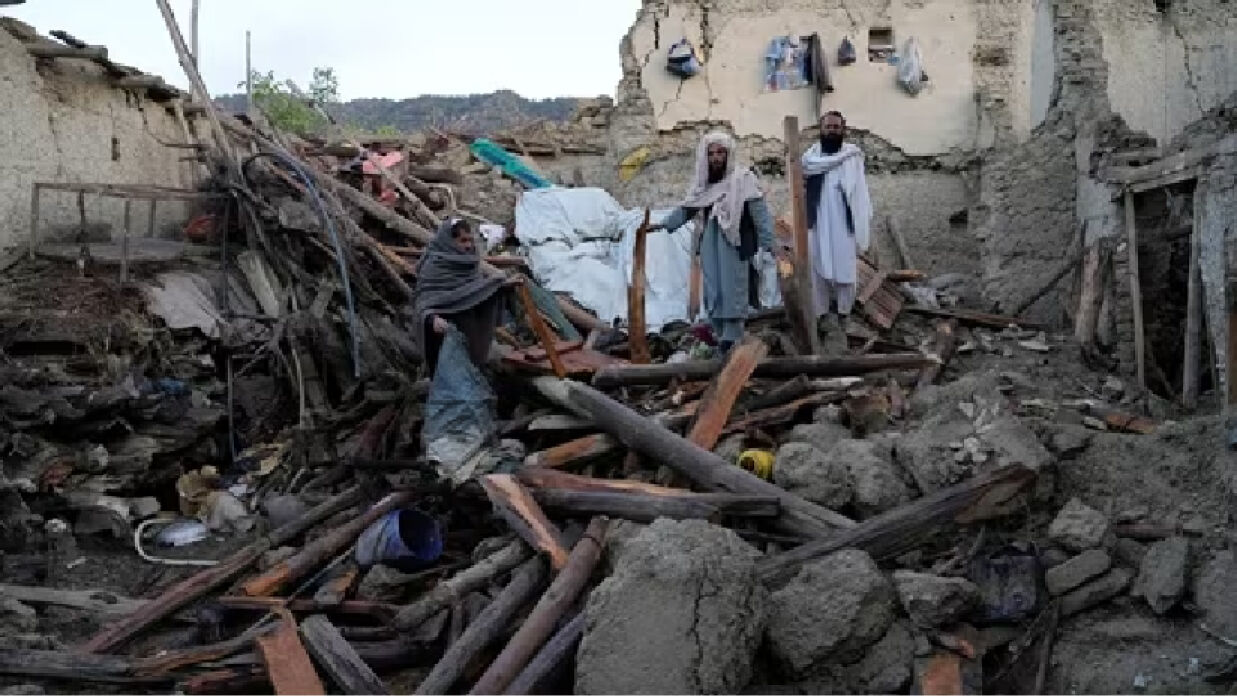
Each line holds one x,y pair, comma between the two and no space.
64,122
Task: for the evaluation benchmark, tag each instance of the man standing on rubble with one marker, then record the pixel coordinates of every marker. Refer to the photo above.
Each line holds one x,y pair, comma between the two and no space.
726,200
839,214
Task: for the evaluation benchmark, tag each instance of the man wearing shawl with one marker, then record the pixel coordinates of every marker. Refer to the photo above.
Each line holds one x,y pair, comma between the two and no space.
734,220
451,289
839,214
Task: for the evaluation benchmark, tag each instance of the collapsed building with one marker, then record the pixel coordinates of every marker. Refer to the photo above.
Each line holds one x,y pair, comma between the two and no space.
1017,480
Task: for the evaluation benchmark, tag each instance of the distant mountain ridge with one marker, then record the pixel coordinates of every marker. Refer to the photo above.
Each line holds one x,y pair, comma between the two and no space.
473,113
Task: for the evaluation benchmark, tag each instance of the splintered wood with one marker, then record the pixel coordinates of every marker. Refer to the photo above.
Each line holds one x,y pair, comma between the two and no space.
289,667
524,516
637,332
718,401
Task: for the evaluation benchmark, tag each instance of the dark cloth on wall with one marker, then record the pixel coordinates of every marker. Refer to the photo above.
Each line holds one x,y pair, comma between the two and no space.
817,64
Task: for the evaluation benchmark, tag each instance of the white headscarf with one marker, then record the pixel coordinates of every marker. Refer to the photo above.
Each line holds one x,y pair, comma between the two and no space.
726,197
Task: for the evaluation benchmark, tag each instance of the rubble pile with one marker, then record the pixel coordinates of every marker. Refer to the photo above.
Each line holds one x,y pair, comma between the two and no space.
944,505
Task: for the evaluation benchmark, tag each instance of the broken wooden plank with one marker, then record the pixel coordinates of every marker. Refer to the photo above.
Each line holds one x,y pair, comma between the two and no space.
637,332
780,367
899,529
944,344
524,516
904,251
976,319
718,400
338,659
1172,164
527,580
104,604
701,466
314,554
539,327
539,624
50,50
573,451
1193,312
382,612
198,585
459,585
291,671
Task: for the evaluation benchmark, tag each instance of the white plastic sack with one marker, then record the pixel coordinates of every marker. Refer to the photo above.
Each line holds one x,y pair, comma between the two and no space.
910,67
580,242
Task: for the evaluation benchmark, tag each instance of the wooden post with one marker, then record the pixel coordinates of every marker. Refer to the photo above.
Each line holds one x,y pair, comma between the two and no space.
1230,357
718,400
1136,294
903,250
637,334
1089,297
339,659
803,264
539,625
490,625
555,651
694,289
1193,314
544,335
468,580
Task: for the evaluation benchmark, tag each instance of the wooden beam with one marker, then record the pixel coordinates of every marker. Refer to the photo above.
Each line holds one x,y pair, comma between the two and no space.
524,516
198,585
799,215
338,659
976,319
695,287
573,451
637,332
645,508
1173,164
91,53
556,650
780,367
474,577
492,623
140,82
900,529
539,625
904,251
544,335
1193,313
291,671
701,466
314,554
718,400
1136,295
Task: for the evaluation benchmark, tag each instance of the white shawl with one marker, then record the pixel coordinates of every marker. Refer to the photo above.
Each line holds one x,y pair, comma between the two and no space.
726,197
854,185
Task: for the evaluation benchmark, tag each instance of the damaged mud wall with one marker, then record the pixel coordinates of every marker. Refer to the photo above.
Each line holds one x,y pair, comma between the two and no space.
74,126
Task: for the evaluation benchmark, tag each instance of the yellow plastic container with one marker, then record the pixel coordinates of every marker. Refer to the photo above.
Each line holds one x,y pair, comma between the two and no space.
758,462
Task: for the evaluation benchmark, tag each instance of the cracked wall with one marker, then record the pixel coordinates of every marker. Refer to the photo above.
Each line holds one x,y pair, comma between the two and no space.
1167,68
735,35
72,126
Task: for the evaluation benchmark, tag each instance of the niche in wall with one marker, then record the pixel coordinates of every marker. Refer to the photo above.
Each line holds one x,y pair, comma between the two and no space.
880,44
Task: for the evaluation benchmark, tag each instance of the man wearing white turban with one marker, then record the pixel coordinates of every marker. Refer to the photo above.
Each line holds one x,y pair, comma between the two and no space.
733,222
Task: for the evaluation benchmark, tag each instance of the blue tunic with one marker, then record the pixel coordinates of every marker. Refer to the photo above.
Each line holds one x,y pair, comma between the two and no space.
725,295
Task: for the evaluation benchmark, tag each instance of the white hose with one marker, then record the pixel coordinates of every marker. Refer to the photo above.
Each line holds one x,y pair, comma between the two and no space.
137,545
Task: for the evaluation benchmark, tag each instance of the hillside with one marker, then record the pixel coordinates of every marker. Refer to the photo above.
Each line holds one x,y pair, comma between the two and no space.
474,113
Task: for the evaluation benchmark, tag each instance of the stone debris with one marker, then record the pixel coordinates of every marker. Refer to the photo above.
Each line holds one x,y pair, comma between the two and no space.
1078,527
1162,575
934,601
683,613
1095,592
1213,593
815,475
831,611
1070,574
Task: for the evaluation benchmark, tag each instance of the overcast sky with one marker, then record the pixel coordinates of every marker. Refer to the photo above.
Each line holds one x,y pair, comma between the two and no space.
394,49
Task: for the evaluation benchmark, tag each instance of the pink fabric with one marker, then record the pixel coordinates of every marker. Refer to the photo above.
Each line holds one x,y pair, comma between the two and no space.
388,160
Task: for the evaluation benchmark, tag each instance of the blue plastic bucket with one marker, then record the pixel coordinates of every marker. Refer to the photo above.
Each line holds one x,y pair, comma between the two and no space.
405,539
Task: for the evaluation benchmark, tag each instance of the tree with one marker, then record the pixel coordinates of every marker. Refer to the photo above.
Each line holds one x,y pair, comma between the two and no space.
288,106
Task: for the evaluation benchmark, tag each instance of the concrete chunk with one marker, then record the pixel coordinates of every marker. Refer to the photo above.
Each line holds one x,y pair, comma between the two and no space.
1074,572
811,473
933,601
830,612
683,613
1161,577
1095,592
1078,527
